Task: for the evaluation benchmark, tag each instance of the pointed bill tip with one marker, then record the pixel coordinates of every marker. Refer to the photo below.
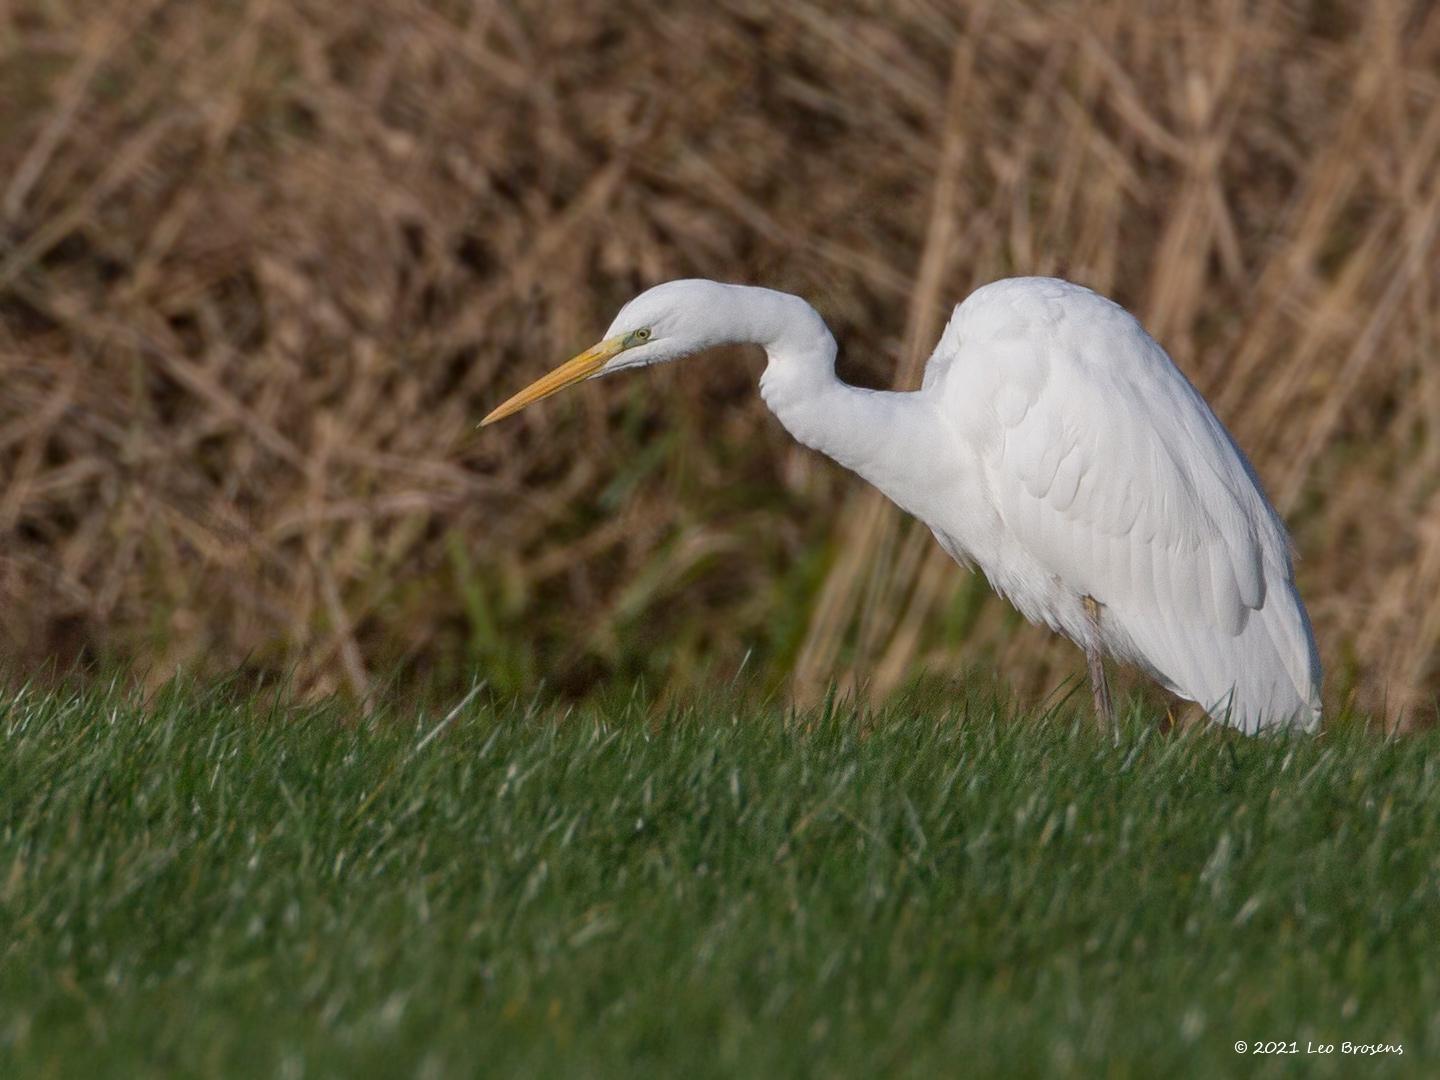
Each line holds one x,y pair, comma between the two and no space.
572,371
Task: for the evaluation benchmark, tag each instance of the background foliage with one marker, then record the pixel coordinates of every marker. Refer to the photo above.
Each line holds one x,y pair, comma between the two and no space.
262,266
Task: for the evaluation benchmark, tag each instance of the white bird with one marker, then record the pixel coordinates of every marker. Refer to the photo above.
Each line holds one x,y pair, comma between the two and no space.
1055,445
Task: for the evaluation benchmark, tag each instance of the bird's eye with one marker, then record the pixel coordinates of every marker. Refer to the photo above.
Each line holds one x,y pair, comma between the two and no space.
642,335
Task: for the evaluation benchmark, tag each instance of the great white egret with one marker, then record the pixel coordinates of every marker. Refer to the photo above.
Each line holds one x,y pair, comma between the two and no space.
1055,445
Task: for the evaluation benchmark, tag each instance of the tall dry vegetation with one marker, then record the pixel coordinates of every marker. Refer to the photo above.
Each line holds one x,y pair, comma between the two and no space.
265,263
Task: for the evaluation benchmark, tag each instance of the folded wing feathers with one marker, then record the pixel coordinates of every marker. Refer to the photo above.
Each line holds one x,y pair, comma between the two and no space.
1165,527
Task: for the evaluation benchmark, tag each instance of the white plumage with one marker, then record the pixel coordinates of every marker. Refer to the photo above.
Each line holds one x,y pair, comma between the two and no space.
1054,445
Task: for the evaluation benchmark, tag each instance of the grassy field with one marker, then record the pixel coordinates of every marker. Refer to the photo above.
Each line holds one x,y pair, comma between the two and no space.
208,882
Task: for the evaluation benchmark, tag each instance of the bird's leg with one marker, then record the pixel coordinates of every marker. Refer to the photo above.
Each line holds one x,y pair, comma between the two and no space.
1095,661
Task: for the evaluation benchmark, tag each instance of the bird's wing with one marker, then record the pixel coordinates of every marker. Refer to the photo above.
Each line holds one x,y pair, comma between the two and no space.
1108,467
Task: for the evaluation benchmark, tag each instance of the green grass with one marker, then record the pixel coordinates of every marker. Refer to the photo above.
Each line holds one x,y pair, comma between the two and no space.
205,884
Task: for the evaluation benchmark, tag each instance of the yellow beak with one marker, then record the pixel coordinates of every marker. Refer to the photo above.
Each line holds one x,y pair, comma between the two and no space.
572,371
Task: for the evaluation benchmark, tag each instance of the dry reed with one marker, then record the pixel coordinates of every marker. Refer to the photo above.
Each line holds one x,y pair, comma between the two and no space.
263,264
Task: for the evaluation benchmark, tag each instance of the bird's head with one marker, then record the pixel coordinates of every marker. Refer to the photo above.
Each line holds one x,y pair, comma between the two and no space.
663,323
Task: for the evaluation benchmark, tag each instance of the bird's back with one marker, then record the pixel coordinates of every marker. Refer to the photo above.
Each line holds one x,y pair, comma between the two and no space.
1104,473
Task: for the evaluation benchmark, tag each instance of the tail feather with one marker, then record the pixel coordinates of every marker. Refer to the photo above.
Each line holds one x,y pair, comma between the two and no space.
1266,677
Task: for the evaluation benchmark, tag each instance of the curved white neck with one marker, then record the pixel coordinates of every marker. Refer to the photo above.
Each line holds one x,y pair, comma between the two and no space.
868,431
